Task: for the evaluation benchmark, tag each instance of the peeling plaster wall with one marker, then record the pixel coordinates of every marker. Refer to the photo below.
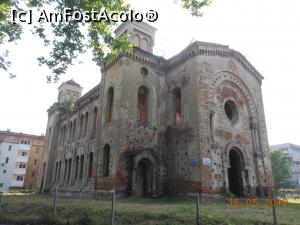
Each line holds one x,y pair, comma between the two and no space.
186,157
221,79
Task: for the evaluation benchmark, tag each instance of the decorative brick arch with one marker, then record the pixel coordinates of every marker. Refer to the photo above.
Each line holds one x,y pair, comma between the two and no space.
233,80
233,145
144,155
246,166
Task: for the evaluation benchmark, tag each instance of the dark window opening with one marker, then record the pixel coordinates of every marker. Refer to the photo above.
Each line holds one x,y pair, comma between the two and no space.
74,130
56,169
65,169
231,111
59,171
109,104
76,167
81,167
142,104
90,165
86,119
177,97
95,114
81,127
106,156
144,71
70,132
69,170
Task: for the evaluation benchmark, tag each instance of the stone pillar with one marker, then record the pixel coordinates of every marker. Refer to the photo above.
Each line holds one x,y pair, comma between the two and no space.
133,180
226,166
256,151
212,109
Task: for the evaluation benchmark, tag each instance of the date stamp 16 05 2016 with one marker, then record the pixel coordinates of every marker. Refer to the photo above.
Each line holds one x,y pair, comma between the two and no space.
254,202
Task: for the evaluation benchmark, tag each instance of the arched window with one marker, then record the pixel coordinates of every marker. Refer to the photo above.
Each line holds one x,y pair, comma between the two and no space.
95,114
81,126
74,130
65,169
64,134
86,120
109,104
61,136
70,132
144,44
56,171
211,125
81,166
91,156
76,167
177,105
59,171
49,136
136,40
142,104
106,156
69,170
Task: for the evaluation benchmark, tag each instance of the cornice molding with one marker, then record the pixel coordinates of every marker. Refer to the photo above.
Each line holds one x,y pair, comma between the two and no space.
194,49
138,55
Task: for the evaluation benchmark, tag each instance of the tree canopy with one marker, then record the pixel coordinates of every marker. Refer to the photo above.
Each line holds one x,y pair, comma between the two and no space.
72,38
280,167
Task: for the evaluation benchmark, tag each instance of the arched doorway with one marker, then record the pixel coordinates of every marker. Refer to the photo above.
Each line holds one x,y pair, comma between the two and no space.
235,173
144,178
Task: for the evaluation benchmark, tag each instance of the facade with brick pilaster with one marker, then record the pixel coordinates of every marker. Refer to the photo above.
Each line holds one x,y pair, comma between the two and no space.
156,126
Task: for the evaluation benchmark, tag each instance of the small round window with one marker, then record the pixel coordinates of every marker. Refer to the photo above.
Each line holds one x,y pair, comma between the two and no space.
144,71
231,111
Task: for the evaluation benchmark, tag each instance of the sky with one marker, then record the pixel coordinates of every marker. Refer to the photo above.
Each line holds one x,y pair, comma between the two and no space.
266,32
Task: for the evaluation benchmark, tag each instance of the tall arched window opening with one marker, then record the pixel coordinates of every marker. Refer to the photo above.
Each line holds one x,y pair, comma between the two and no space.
106,156
177,105
76,167
109,104
86,120
69,169
95,114
74,130
90,169
143,104
81,167
81,126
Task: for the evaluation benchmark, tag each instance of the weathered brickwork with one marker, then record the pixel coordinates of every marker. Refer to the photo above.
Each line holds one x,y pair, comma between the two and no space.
192,123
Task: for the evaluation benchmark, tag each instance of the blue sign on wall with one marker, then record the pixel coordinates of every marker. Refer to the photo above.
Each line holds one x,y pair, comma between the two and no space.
193,162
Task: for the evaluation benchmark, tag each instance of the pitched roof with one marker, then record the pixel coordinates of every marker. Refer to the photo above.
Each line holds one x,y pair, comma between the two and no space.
72,82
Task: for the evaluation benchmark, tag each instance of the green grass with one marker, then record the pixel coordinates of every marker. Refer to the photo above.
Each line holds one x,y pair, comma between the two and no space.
37,209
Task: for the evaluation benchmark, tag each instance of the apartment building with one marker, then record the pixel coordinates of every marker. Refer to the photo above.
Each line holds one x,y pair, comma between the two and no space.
20,158
293,152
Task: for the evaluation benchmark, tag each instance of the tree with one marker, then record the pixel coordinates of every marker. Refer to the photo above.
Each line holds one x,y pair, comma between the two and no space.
72,38
8,32
280,167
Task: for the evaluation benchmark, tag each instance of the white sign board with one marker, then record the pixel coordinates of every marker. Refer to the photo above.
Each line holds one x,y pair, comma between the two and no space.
206,161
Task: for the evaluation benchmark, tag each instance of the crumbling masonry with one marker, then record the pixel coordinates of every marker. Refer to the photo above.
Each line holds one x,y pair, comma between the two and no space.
155,126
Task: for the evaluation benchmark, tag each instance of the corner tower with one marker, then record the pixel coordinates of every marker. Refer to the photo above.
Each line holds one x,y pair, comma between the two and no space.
69,91
141,34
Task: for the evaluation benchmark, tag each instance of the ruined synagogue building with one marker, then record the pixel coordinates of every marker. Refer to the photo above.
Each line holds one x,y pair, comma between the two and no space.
156,126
